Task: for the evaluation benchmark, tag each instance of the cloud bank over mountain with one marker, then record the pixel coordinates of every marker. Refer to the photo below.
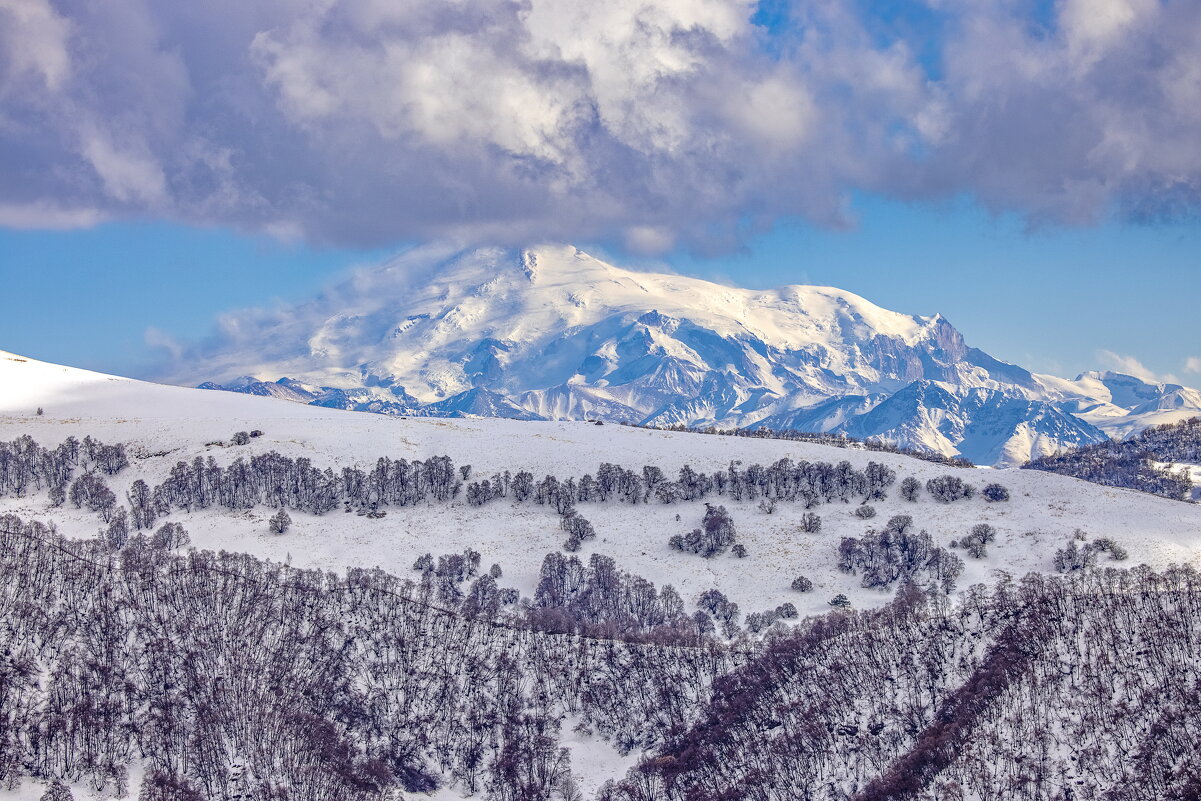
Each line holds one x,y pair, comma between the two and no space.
658,123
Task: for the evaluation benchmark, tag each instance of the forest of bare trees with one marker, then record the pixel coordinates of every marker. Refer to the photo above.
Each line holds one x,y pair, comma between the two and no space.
229,677
125,658
1140,463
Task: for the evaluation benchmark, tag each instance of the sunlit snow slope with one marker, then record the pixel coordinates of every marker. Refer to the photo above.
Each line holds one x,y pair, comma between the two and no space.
167,424
554,333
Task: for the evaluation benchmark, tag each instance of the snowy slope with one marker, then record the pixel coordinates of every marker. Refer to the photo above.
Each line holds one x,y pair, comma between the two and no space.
168,424
165,424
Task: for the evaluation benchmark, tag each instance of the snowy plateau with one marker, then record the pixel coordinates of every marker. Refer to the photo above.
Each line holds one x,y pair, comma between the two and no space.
321,665
552,333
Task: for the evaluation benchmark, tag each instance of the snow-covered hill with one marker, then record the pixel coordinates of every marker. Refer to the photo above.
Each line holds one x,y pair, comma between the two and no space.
167,424
553,333
164,425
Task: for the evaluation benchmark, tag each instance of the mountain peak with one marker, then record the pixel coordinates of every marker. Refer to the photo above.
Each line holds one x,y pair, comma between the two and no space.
550,331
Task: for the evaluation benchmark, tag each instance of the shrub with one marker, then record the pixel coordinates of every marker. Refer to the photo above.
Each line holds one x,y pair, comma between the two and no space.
811,523
1106,545
947,489
802,584
994,493
865,512
280,521
976,540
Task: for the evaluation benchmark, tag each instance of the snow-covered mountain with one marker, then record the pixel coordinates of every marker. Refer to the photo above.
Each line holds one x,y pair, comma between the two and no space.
554,333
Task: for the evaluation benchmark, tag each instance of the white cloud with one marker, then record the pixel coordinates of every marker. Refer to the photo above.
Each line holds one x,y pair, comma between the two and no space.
1132,366
646,239
1091,26
46,215
34,39
1192,364
368,122
127,176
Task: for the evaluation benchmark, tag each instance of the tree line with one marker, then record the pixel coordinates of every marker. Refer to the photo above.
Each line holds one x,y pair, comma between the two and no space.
1137,463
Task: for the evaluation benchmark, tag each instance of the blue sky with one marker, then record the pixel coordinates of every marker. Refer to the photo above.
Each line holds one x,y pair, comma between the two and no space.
1030,168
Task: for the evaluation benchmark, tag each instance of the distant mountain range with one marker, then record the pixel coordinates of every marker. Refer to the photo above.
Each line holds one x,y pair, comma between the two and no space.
553,333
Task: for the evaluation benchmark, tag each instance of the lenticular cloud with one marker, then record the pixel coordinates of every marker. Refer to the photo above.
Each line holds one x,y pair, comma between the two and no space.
661,123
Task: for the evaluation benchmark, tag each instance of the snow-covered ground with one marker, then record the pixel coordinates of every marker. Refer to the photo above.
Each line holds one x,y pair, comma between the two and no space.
165,424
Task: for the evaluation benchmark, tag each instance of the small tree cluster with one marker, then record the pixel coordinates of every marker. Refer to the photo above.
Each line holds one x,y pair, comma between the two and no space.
947,489
994,493
898,553
976,540
170,535
714,537
714,602
760,621
573,596
89,490
1074,558
578,530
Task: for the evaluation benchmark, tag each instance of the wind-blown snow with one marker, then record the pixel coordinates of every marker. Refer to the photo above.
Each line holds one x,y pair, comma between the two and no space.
410,319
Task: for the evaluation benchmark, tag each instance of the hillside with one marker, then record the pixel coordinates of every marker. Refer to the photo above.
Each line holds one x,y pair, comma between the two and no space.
169,424
163,426
554,333
1163,459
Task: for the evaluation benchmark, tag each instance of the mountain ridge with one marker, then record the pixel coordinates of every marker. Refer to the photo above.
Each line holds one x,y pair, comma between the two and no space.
554,333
